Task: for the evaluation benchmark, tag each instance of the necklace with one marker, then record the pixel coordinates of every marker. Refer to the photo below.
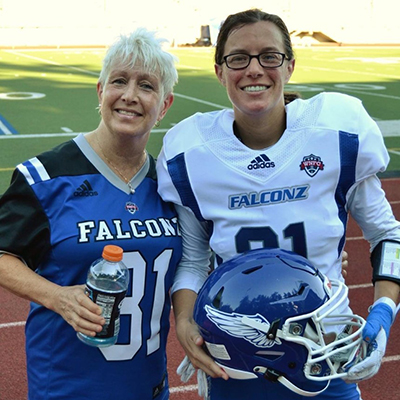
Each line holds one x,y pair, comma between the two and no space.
114,167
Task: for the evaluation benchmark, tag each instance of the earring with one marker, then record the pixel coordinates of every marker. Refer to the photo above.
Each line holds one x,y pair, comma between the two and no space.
98,108
157,124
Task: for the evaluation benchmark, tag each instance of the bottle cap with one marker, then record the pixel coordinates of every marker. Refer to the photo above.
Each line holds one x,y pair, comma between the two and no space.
112,253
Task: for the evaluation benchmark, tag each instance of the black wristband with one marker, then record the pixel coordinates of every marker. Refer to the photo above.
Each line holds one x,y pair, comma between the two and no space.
385,261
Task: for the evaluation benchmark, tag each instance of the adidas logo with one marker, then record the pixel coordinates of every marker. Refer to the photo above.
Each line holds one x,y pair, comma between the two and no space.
85,190
262,161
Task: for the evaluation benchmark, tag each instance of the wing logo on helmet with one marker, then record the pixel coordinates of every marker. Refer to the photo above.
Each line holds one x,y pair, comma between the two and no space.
253,328
271,314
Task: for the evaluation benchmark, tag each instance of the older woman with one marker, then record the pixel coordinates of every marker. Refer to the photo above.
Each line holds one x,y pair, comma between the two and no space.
64,206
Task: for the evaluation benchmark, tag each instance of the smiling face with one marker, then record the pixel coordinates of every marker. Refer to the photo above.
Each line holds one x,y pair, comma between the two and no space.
255,91
132,101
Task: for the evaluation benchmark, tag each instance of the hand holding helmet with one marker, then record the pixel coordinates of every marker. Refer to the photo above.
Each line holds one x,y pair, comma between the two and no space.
376,334
268,314
191,340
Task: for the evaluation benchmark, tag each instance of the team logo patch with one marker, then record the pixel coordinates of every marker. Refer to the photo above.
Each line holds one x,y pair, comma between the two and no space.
252,328
312,164
131,207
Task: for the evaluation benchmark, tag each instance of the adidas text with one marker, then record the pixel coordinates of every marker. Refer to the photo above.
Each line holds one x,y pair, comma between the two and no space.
85,194
262,161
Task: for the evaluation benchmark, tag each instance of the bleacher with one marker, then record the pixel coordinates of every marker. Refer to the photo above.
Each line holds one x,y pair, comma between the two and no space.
98,22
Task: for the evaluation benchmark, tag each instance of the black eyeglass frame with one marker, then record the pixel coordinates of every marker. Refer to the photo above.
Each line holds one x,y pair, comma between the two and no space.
254,56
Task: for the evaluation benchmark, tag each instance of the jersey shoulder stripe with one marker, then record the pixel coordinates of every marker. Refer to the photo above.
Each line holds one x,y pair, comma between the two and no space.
348,148
65,159
34,171
180,179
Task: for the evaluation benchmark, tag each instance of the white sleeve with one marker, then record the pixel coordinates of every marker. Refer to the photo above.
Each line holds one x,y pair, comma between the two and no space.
369,207
166,188
194,266
373,156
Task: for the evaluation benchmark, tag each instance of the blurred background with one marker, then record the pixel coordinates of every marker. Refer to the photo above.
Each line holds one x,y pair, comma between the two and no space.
51,52
97,22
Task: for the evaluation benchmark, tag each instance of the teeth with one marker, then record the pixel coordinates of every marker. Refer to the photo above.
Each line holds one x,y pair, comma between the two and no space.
255,88
127,112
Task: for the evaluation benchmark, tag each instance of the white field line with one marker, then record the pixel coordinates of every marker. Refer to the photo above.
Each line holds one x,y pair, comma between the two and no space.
183,389
191,388
386,96
96,74
389,127
360,286
12,324
58,134
347,71
354,238
391,358
67,134
75,68
199,101
15,52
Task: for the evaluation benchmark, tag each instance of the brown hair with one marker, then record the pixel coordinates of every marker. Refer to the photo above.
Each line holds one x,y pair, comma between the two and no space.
250,17
290,96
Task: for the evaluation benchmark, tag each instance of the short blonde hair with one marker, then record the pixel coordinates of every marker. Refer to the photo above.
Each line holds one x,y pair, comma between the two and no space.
143,48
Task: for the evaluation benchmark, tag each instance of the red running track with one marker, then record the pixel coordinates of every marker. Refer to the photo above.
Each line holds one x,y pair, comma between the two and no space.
383,386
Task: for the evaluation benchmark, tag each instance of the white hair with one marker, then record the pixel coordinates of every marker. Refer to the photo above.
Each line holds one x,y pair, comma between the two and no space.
143,48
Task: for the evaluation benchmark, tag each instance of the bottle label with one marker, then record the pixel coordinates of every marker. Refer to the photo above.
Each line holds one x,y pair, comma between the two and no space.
111,303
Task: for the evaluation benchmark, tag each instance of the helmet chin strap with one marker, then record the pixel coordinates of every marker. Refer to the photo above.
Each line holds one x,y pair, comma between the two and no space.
270,375
271,334
299,391
274,376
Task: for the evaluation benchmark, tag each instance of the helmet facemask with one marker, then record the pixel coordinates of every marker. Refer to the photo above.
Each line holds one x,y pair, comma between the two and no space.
287,330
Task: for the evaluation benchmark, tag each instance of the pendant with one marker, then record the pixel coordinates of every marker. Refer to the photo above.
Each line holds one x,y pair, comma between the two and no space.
132,190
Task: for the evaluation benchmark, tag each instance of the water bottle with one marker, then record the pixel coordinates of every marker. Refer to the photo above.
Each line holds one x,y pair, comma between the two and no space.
106,284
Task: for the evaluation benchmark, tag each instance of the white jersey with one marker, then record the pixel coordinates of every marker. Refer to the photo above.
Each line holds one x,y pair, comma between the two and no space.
294,195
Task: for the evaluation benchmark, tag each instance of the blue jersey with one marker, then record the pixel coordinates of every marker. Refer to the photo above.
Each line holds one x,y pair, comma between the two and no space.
68,205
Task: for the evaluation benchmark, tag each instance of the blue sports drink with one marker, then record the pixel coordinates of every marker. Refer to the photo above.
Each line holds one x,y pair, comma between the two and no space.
106,284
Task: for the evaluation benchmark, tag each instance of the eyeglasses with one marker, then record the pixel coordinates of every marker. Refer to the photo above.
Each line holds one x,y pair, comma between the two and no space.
266,60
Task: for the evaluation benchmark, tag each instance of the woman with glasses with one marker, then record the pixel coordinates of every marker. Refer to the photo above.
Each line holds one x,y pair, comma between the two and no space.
271,174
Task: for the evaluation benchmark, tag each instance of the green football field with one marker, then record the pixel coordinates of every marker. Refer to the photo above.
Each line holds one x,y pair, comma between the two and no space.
49,95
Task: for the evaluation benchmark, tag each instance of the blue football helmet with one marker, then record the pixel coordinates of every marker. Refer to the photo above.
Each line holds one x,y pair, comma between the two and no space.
269,313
